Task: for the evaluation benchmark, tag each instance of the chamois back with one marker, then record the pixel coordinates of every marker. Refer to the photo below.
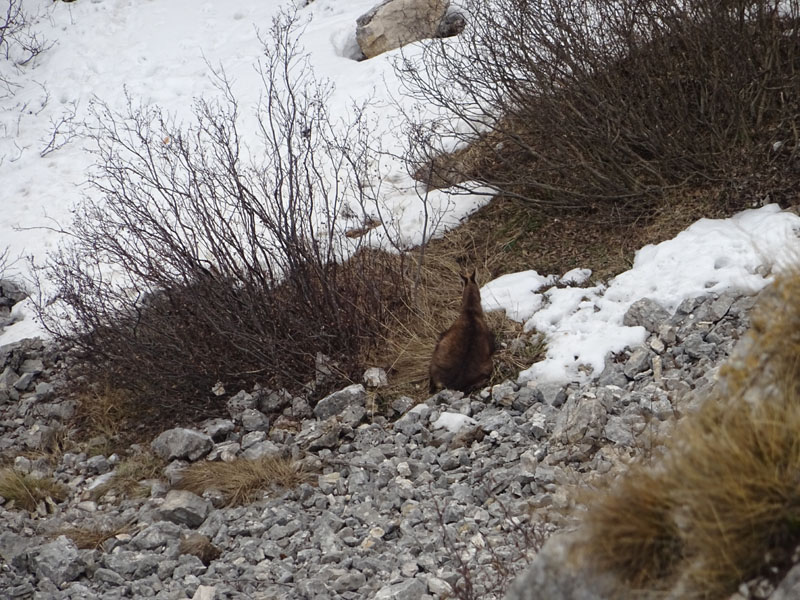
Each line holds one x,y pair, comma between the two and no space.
462,359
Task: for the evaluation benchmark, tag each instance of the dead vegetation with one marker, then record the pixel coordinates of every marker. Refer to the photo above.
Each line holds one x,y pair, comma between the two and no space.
92,538
723,505
128,475
27,492
242,480
671,96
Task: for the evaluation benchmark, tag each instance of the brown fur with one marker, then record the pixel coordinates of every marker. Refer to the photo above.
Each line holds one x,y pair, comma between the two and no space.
462,359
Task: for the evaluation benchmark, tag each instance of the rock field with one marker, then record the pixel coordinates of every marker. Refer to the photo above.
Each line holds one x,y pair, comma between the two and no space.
455,494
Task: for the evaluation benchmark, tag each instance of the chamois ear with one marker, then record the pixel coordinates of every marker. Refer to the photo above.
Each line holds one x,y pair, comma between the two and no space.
464,278
471,277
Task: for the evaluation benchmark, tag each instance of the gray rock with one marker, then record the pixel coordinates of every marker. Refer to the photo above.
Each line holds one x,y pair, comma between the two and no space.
336,402
789,587
130,564
262,449
24,382
375,377
553,576
612,374
181,443
618,431
98,464
411,589
638,362
218,429
238,403
8,378
646,313
59,561
696,347
32,365
254,420
553,394
720,307
394,23
272,402
581,418
504,393
184,508
108,576
157,535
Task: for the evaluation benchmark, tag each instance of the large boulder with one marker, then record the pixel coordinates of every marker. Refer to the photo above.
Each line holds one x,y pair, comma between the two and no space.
394,23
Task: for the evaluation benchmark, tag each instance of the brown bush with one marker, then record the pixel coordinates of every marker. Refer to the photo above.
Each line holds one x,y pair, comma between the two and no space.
226,266
591,104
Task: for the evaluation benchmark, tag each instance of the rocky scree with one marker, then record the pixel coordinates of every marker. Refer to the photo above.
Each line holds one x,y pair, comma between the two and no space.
418,506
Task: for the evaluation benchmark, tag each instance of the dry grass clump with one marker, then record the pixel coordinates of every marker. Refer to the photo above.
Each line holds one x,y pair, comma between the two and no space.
129,473
724,504
91,538
241,480
26,492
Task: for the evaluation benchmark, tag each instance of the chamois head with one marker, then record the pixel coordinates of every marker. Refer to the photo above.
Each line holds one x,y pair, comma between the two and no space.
471,299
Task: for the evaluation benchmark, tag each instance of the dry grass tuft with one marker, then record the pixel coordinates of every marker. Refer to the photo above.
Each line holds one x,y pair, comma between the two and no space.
105,417
724,505
640,542
91,538
128,474
240,481
27,492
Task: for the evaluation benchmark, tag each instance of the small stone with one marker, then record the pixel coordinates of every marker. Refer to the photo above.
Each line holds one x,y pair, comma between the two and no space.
59,561
272,402
638,362
184,508
504,393
205,592
552,394
98,464
108,576
336,402
238,403
25,382
218,429
375,377
645,313
254,420
182,443
22,464
439,587
411,589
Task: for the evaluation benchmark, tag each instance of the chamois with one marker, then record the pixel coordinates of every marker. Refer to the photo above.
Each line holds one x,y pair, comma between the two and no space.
462,359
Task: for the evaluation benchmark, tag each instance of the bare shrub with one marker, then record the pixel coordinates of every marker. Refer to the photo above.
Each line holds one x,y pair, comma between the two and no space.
205,260
19,45
591,104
